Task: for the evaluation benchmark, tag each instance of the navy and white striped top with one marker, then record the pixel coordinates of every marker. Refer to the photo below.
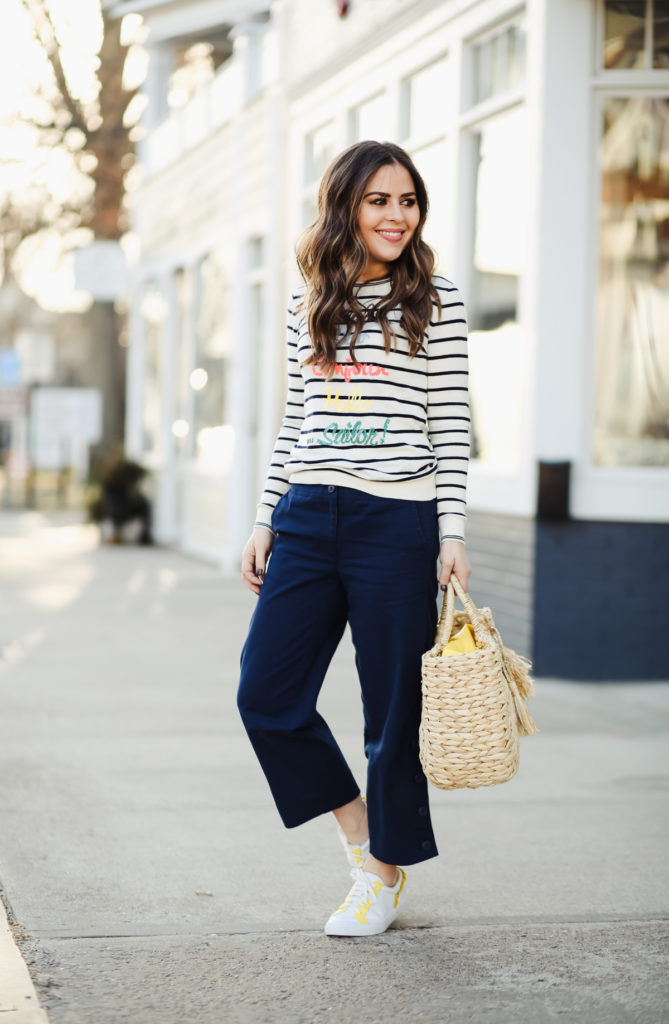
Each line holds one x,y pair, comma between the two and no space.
394,425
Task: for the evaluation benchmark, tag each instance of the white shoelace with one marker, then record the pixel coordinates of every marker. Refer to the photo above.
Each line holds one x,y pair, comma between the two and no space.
362,887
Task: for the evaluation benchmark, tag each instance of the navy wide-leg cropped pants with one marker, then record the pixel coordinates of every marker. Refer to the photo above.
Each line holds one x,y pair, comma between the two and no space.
341,555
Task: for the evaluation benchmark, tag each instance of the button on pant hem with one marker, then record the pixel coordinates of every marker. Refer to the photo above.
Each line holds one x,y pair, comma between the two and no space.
411,853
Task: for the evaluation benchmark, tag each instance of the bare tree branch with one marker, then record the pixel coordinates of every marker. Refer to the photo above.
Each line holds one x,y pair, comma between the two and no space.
106,138
45,33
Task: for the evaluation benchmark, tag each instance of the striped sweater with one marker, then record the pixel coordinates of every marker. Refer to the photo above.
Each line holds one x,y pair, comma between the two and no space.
395,425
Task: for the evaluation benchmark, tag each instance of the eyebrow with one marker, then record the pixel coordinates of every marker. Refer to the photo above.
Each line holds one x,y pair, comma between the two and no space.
387,194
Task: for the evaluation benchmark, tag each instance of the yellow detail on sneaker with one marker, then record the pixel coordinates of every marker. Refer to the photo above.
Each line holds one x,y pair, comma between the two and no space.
404,878
370,906
363,906
361,913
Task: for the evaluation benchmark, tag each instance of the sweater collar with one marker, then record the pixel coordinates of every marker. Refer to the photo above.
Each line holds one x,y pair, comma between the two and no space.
376,286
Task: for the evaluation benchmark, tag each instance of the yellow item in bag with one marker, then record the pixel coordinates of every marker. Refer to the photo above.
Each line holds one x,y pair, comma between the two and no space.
463,641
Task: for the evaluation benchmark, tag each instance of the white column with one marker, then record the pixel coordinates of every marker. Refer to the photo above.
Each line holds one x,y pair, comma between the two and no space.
135,376
165,497
161,63
247,51
256,376
558,282
272,353
239,523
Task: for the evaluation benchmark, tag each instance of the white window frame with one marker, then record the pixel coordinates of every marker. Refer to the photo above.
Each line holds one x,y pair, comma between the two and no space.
353,112
626,77
440,134
470,111
611,493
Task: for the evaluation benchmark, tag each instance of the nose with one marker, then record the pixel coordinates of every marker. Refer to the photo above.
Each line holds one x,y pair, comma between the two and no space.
394,211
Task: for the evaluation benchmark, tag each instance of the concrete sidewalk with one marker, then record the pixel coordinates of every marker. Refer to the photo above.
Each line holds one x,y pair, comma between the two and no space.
151,878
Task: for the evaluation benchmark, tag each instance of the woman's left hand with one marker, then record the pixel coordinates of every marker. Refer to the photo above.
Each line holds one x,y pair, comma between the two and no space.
453,558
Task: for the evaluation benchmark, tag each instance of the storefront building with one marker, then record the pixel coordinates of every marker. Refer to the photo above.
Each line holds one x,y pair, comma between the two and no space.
542,131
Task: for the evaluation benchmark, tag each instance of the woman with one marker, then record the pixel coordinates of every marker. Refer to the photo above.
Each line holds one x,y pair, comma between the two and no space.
366,487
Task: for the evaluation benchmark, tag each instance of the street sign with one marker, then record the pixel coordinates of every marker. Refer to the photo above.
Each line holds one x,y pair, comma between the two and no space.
10,367
100,268
63,422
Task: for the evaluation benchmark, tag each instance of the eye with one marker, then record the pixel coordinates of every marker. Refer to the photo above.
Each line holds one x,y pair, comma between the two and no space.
409,202
379,201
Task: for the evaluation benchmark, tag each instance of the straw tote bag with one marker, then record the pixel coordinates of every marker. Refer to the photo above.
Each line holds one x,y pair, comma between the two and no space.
473,702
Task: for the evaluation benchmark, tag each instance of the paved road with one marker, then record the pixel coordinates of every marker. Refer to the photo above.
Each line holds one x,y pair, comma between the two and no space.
149,878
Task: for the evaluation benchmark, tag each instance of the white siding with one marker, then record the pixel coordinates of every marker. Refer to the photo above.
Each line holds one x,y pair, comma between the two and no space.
229,168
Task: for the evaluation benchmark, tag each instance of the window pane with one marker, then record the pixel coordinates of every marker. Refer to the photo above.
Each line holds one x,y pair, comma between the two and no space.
370,119
153,310
207,378
499,62
624,33
182,428
424,92
432,163
661,34
256,252
319,150
255,338
309,211
498,225
515,69
632,362
501,190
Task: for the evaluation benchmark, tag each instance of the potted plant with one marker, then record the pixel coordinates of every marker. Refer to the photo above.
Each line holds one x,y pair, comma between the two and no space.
118,500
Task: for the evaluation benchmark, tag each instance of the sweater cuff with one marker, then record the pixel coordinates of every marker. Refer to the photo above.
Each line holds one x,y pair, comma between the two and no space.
451,527
264,516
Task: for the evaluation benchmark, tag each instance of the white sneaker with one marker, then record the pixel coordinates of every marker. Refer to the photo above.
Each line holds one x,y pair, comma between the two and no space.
356,853
369,907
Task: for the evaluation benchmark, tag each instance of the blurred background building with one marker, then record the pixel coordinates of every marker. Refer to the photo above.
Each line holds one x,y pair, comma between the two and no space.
542,131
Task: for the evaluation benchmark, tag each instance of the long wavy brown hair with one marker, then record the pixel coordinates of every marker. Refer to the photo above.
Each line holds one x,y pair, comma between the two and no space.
331,256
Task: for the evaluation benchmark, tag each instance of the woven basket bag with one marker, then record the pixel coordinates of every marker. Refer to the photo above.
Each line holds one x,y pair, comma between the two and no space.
473,703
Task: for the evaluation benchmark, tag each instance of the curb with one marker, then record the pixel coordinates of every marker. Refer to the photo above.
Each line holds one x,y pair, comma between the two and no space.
18,999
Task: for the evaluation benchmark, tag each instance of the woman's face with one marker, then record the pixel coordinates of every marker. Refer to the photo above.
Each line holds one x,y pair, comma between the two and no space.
387,218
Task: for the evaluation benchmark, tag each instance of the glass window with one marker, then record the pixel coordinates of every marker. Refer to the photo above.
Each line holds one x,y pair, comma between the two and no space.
255,249
661,35
499,221
319,150
309,211
369,120
153,309
632,358
256,335
636,34
212,346
257,382
432,163
625,34
499,62
422,94
182,426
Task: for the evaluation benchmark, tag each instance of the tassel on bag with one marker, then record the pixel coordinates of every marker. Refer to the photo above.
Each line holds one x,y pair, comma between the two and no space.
473,702
517,671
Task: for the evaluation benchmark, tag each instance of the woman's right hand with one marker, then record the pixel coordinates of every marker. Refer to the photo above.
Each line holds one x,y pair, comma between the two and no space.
255,556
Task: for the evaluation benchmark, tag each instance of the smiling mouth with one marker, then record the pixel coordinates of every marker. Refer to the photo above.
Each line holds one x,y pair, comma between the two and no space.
391,236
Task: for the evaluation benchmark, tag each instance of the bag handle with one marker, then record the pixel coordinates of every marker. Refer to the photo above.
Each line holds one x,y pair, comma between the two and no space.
516,669
445,622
